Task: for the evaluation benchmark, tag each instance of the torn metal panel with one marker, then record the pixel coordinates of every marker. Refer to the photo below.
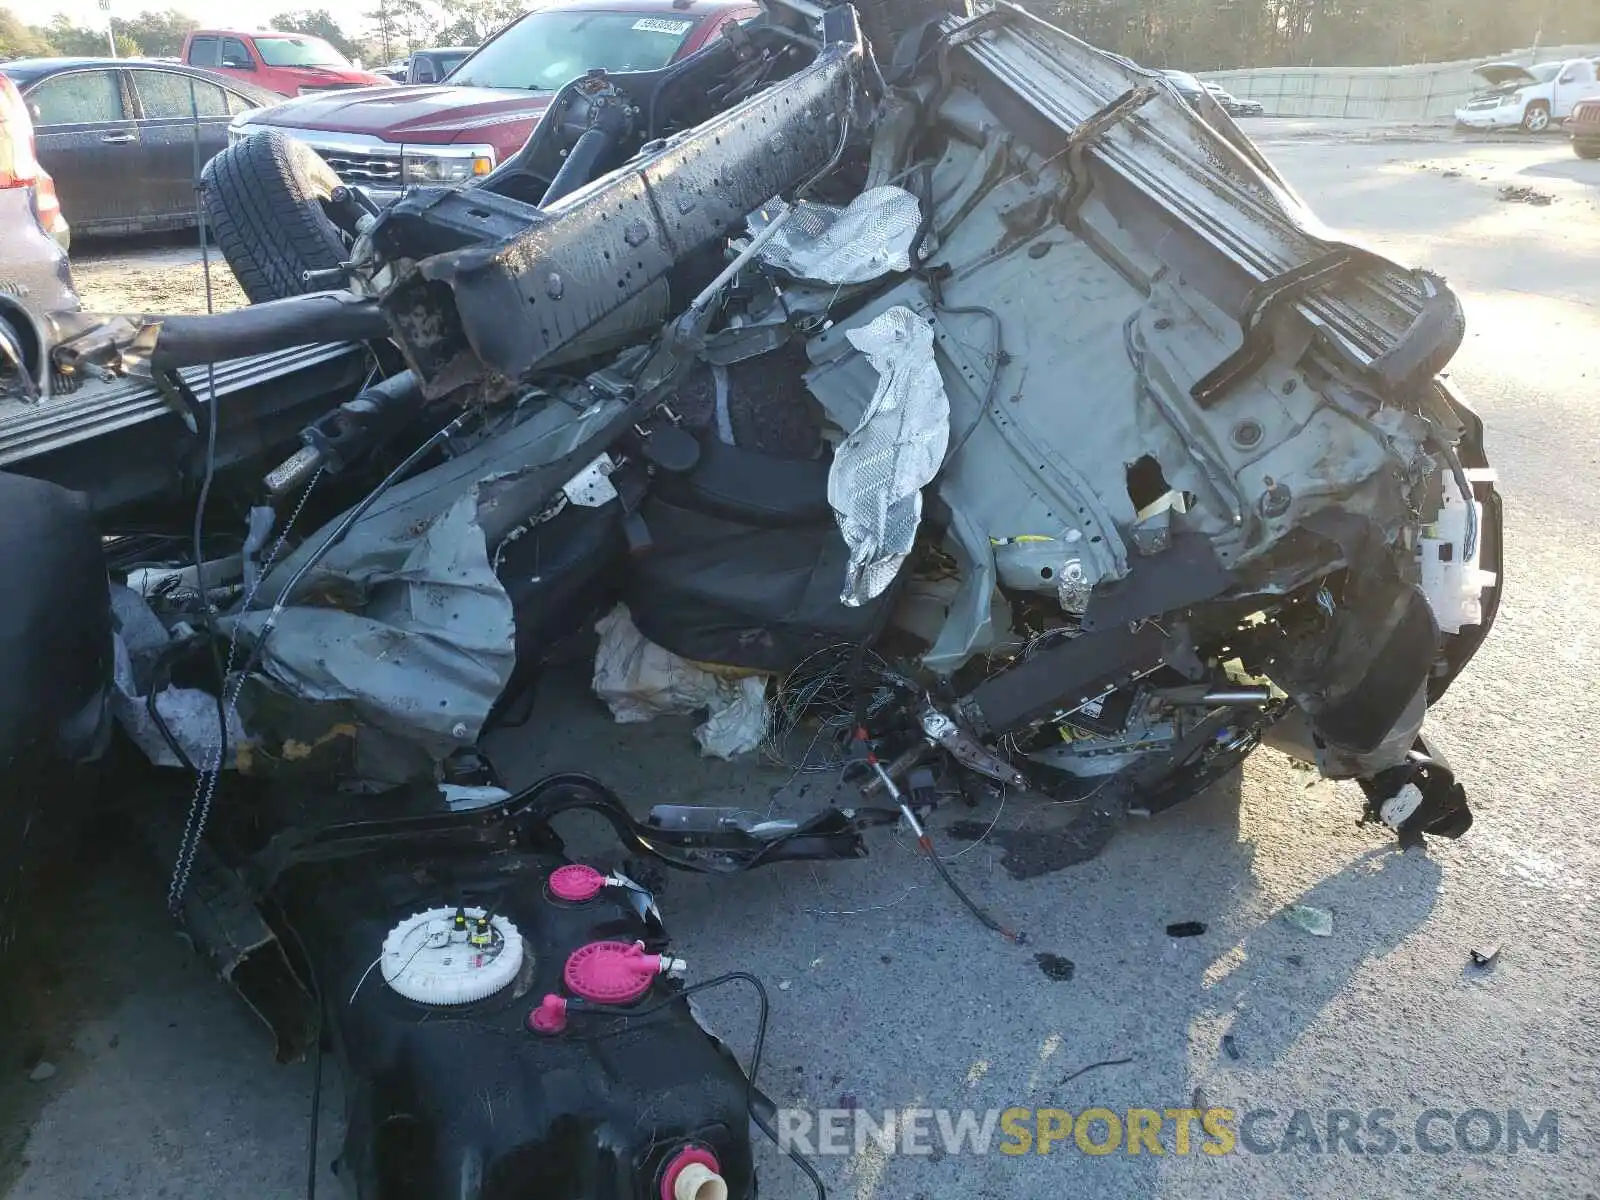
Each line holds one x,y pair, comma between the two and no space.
421,641
429,652
380,542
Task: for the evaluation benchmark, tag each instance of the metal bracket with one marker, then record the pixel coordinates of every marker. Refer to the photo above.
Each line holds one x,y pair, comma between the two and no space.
1263,300
1124,106
943,732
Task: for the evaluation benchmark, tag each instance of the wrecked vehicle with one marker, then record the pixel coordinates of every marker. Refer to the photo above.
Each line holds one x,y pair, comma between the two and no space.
955,354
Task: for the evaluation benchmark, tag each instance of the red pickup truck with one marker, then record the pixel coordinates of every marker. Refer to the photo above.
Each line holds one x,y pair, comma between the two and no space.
291,64
385,139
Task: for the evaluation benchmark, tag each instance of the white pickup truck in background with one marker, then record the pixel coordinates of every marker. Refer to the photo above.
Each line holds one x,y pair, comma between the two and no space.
1530,98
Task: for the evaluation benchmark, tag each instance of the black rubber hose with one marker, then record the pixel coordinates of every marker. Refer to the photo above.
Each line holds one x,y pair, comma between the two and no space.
799,1160
319,318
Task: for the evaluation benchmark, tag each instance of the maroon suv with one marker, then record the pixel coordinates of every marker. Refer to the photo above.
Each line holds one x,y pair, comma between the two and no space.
386,138
1584,126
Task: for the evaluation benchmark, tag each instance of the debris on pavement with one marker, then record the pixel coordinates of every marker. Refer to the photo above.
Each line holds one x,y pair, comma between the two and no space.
41,1072
1486,955
1094,1066
639,681
1055,967
1186,929
1318,922
1230,1047
1518,194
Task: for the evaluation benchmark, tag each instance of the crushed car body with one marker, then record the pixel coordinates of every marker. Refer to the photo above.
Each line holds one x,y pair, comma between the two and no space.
957,354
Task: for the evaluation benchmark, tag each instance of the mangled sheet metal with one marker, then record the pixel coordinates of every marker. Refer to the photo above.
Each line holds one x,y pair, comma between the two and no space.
190,714
404,627
1171,421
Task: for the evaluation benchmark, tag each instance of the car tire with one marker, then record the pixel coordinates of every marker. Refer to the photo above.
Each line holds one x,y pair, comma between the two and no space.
1590,150
264,198
1536,117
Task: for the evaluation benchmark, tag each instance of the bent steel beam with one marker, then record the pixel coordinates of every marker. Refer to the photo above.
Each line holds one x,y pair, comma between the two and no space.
500,310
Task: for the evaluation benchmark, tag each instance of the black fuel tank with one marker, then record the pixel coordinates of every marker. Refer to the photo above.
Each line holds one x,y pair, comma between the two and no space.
462,1101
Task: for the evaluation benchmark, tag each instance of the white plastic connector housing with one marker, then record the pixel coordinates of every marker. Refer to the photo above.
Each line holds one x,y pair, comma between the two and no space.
1453,583
697,1182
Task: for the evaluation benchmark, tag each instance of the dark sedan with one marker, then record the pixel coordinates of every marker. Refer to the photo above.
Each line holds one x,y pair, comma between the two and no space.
121,136
1231,104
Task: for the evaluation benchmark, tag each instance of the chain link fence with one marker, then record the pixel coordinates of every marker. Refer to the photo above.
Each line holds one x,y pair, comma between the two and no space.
1425,91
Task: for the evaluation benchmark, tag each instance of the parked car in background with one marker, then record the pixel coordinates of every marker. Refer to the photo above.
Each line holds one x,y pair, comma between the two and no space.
431,66
1530,98
290,64
1584,128
1190,88
34,278
121,136
1231,104
462,129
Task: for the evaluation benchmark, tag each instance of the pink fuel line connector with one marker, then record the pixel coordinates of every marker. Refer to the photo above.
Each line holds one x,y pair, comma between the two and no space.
576,883
602,973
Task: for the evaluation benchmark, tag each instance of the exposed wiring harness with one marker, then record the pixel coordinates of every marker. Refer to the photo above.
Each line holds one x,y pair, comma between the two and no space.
925,844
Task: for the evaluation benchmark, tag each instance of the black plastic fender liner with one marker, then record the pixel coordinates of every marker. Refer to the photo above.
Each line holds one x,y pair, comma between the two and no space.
1441,809
513,304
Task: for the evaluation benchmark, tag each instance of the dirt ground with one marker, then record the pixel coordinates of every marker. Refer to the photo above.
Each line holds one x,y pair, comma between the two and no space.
151,275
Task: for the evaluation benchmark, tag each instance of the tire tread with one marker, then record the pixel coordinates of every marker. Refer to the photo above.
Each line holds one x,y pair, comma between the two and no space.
263,200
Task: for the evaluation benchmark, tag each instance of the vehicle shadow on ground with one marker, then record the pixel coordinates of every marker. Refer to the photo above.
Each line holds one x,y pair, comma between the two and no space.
1575,169
1274,983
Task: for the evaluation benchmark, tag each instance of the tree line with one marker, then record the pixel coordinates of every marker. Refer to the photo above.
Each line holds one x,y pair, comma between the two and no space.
1196,34
1218,34
394,28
